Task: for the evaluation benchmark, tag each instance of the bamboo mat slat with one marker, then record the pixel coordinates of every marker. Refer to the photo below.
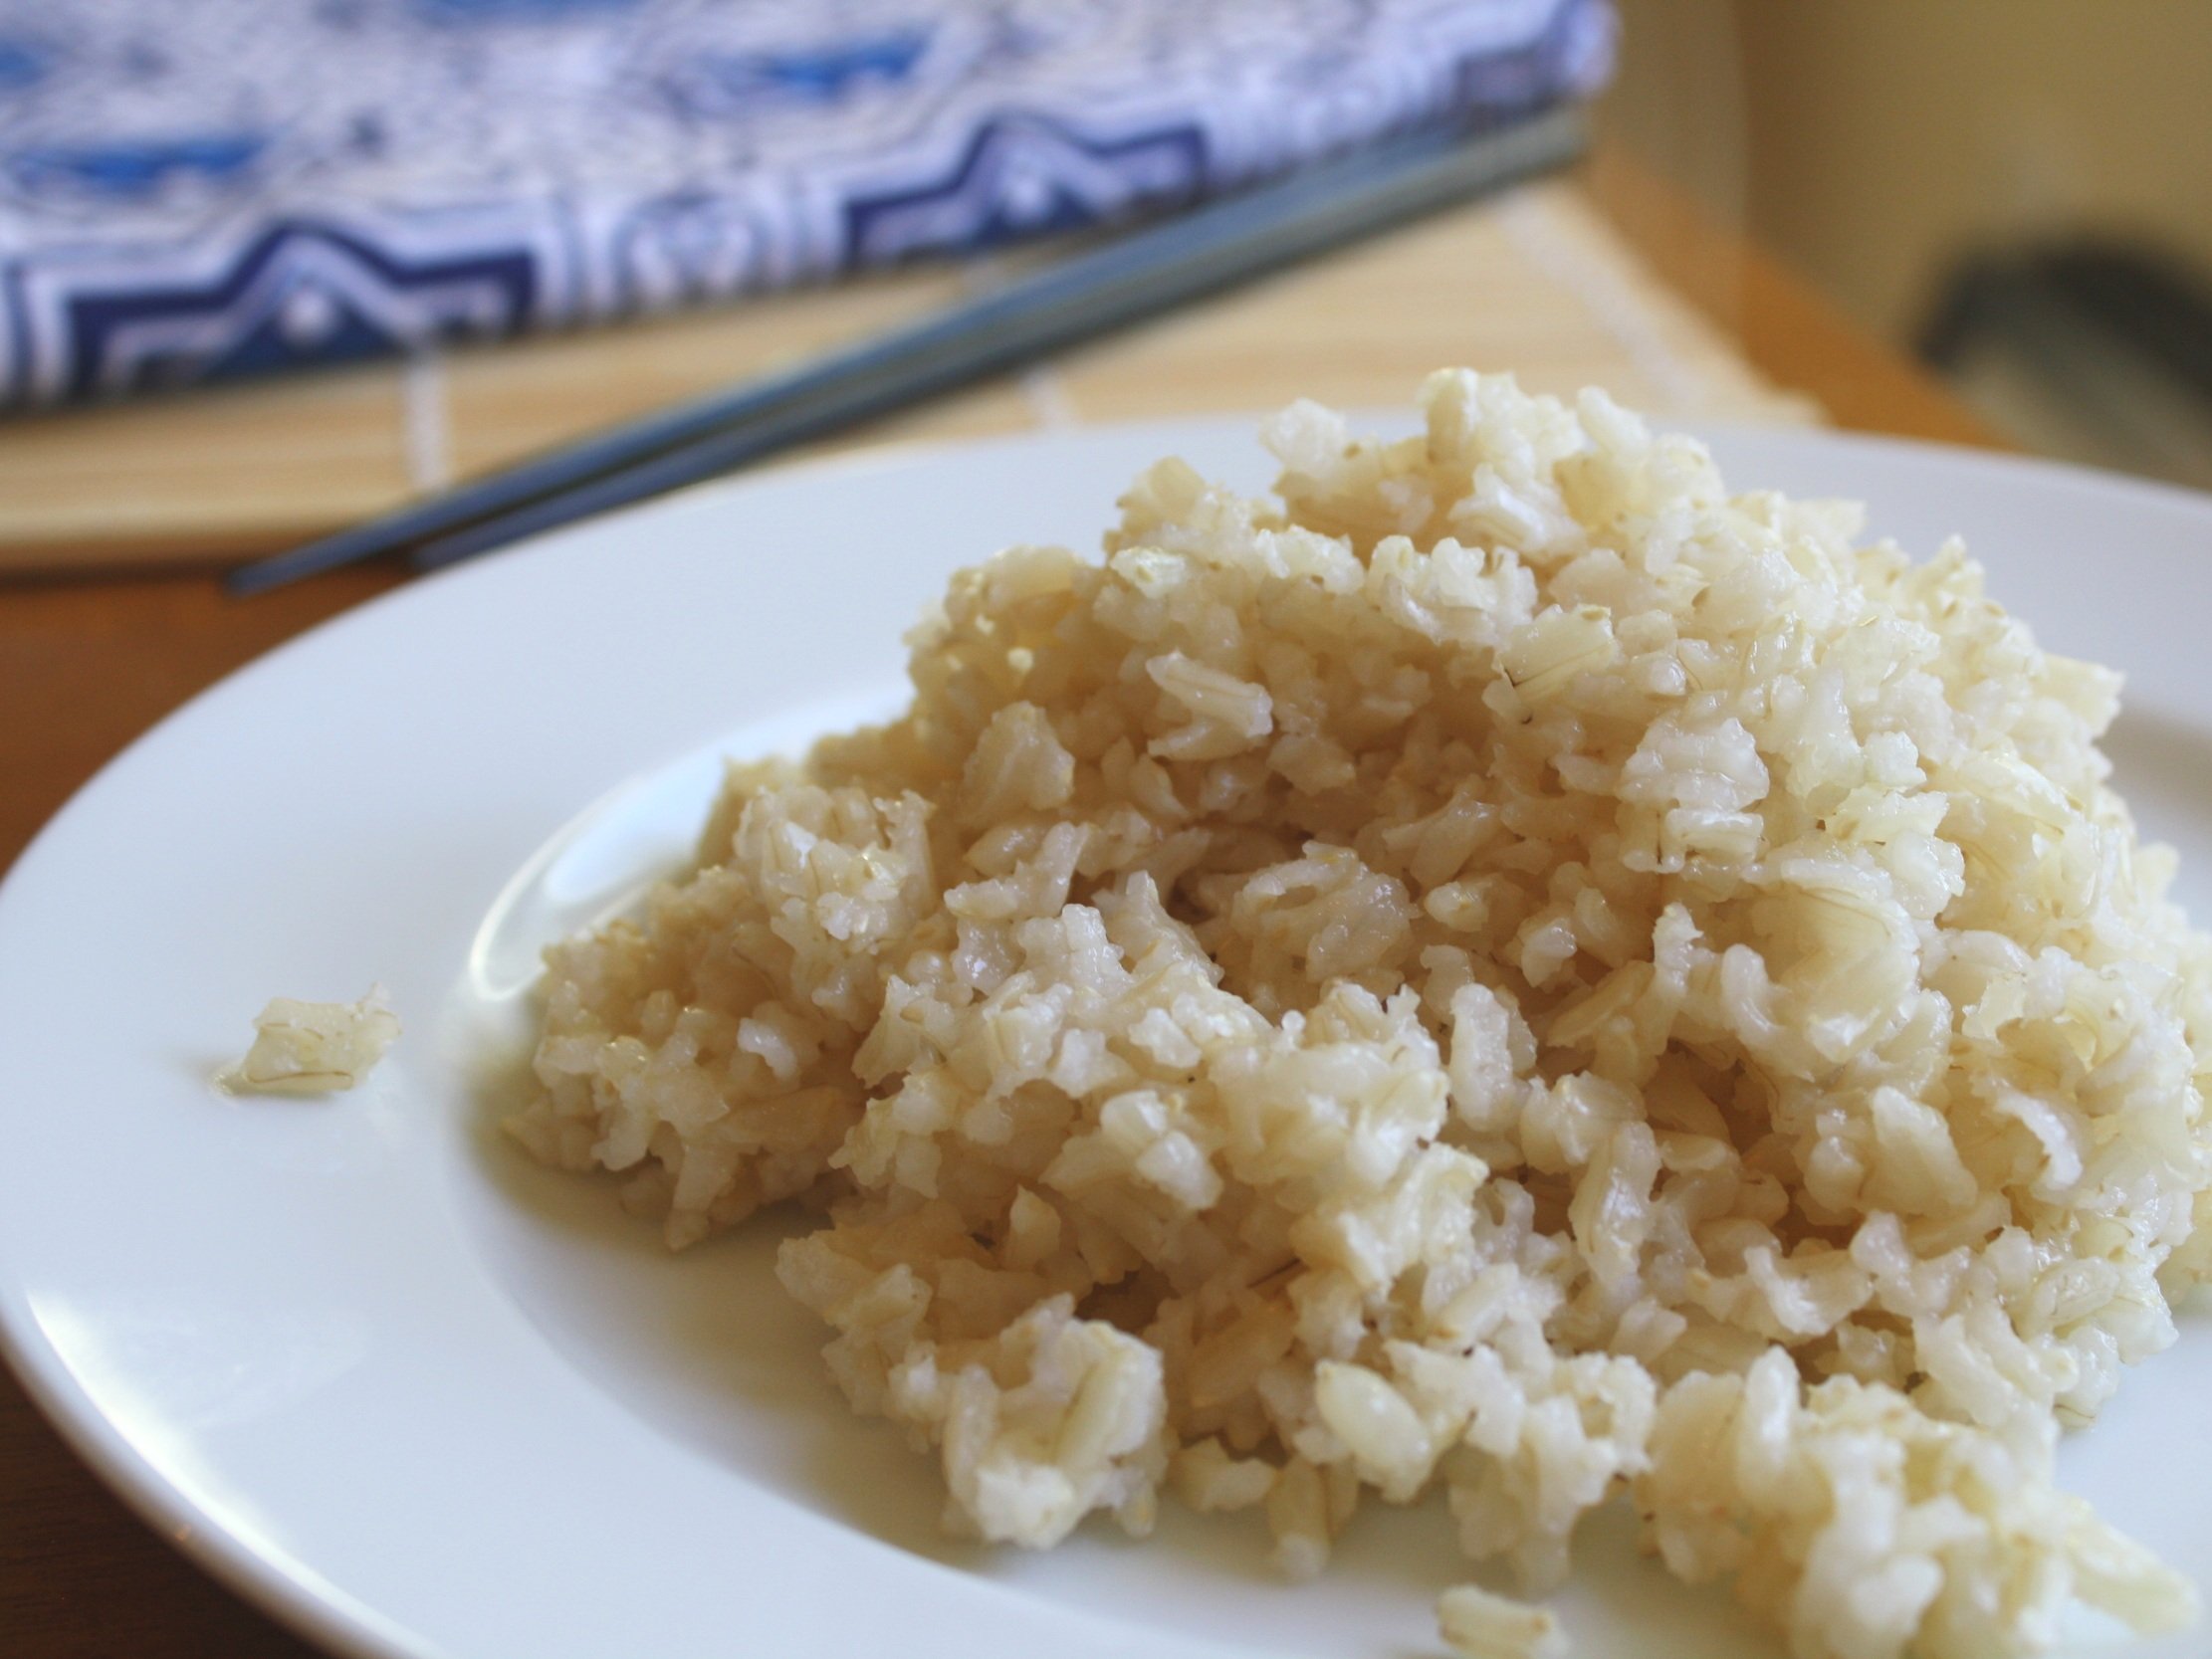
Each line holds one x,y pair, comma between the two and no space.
1536,281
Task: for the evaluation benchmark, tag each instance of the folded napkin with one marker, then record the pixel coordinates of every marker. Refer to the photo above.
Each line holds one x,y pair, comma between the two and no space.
227,186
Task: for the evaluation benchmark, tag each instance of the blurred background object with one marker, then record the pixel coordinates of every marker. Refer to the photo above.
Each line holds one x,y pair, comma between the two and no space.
195,192
1116,283
439,190
2097,350
2016,187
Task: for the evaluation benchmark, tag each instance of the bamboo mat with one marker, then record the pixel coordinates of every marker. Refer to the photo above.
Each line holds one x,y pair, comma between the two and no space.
1536,281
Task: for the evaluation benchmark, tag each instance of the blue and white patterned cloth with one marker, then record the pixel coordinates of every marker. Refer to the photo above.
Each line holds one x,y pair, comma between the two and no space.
191,189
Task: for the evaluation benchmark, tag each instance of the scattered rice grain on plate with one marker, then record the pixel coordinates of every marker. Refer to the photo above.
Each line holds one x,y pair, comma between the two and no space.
1504,965
1480,1625
313,1048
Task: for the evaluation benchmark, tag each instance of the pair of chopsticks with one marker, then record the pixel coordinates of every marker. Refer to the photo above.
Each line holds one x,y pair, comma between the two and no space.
1140,274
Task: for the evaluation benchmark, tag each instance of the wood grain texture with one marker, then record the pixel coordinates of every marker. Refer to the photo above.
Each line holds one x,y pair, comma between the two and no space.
1533,282
85,667
82,1578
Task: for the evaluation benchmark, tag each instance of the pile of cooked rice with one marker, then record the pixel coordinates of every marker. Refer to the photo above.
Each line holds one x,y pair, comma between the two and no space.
1512,968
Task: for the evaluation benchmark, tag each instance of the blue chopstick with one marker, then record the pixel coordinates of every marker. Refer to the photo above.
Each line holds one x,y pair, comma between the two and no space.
1136,276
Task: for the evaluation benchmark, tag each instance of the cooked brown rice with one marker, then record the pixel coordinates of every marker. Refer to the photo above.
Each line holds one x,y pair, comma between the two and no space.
1509,968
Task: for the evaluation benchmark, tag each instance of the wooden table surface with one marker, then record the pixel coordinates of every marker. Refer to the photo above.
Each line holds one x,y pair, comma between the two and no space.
87,662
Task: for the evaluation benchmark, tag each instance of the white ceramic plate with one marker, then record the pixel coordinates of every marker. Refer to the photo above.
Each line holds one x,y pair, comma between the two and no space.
418,1398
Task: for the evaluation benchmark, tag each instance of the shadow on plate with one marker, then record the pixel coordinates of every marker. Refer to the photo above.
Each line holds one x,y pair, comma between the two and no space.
706,1346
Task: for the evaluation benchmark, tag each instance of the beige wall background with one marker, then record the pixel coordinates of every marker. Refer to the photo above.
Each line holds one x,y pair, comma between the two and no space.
1871,142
